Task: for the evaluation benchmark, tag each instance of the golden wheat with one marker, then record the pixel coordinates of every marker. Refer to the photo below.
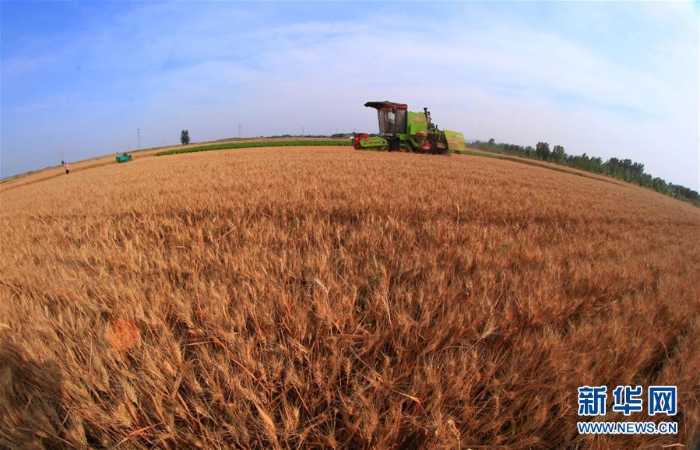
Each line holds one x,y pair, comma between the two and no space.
326,297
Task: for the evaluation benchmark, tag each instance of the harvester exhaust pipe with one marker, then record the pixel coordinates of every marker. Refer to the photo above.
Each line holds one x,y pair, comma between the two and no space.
427,118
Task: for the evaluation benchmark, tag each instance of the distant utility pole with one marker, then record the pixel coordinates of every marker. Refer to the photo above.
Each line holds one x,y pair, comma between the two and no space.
138,139
239,131
302,130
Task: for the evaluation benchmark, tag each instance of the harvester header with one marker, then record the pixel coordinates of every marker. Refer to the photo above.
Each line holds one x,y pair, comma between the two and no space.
404,130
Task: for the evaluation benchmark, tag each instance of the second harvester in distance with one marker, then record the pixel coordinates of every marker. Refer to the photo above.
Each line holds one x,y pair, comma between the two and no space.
403,130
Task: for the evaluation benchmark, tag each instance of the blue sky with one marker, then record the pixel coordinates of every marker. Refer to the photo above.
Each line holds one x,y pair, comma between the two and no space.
611,79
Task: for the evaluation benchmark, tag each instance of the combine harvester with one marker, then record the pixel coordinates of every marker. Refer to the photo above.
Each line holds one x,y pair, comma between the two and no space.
124,157
403,130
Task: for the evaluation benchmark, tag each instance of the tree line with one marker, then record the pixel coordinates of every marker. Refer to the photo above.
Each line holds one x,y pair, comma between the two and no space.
623,169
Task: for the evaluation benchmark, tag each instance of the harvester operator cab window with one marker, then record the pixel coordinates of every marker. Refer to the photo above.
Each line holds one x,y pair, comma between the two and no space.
387,120
390,120
382,121
400,121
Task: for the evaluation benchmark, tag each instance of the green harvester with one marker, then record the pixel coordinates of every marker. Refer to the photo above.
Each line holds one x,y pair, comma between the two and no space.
404,130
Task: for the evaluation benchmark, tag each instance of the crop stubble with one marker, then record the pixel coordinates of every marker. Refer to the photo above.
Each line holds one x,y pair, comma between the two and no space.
328,297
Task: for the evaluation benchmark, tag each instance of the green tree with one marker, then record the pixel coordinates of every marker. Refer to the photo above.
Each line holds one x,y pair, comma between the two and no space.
558,154
542,150
185,137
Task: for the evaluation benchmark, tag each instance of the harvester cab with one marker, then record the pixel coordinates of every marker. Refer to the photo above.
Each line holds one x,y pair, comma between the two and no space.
392,117
403,130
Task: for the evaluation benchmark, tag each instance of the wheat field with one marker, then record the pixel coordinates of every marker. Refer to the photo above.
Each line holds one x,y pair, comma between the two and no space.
325,297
